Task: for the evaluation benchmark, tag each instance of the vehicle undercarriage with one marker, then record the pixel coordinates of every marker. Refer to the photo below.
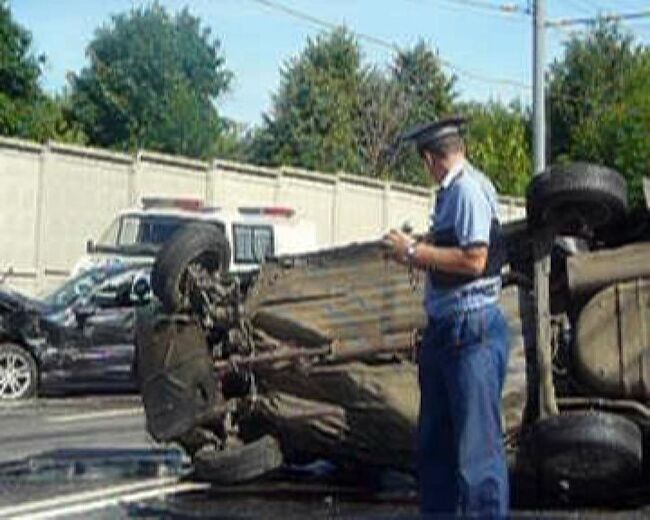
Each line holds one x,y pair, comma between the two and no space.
318,359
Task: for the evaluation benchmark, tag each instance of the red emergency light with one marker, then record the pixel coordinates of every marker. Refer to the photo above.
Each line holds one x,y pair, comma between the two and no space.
272,211
189,204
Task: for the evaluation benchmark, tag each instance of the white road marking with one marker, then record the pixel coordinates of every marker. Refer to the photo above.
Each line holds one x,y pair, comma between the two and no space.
84,507
90,416
104,496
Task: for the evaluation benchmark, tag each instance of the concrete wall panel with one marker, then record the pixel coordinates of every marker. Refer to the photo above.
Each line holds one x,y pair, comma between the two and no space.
19,174
311,200
239,188
412,207
360,212
162,175
81,195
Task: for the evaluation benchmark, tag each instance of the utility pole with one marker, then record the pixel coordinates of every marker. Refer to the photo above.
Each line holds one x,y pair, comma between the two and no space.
543,241
539,104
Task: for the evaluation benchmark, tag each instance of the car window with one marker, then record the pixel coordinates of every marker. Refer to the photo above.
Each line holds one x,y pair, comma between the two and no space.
145,230
102,288
252,243
128,231
158,231
148,229
109,237
81,286
114,291
120,290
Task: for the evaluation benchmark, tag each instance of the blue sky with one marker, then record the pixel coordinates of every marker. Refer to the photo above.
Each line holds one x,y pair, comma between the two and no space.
257,40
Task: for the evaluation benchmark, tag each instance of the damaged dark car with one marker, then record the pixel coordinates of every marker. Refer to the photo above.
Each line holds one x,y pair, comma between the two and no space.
78,338
318,359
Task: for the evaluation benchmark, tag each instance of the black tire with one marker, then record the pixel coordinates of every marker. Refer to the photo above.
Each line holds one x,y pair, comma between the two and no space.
194,243
18,373
240,464
174,372
585,456
575,198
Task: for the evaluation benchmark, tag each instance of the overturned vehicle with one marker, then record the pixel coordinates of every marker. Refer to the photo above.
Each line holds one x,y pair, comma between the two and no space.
318,358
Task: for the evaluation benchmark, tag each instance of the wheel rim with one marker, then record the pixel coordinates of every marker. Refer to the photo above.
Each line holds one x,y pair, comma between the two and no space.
15,375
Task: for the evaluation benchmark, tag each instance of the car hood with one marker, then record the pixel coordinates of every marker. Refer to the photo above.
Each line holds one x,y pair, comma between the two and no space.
16,300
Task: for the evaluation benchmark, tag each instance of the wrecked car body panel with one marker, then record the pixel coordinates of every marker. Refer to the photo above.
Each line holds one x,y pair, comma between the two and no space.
78,341
612,349
331,371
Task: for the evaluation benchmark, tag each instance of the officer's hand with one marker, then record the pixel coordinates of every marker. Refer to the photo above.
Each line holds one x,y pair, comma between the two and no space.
397,243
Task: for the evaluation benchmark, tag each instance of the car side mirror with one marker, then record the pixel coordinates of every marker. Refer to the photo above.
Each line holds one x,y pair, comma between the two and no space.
90,246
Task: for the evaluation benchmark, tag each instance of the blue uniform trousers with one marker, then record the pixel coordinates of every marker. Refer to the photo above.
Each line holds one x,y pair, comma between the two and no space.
461,455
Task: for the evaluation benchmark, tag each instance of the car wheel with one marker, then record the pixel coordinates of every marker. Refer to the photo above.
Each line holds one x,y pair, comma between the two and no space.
576,199
179,387
18,373
585,456
238,464
192,250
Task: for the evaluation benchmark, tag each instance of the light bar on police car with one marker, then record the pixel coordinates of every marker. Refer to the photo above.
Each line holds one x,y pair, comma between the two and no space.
272,211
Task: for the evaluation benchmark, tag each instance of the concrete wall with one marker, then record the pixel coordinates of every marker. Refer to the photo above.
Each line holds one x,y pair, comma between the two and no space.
54,197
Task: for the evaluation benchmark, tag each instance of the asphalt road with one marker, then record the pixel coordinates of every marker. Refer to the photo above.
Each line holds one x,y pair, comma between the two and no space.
81,456
31,427
90,457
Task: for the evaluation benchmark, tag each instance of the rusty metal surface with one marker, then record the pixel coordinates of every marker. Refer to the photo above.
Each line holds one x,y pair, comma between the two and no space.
334,367
613,341
589,272
357,299
351,293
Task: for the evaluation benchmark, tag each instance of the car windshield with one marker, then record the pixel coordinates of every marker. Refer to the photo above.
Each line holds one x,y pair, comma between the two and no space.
131,230
80,286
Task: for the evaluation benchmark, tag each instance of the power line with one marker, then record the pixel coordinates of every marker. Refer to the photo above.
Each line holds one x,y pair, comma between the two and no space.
508,8
271,4
510,12
461,6
612,17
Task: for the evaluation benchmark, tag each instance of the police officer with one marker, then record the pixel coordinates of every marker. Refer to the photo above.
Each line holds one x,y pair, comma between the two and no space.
464,354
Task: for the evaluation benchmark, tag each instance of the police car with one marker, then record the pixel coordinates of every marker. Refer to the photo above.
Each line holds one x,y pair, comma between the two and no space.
254,233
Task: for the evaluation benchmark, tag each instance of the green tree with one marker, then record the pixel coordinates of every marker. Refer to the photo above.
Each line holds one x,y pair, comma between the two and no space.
314,119
620,136
22,103
587,80
383,109
25,110
599,103
233,142
430,94
50,118
152,82
499,144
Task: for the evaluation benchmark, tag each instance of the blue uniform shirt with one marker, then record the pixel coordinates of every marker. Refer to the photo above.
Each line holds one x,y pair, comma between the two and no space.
466,207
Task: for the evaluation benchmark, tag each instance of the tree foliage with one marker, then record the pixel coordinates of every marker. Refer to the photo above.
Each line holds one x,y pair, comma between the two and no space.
600,109
418,72
21,97
429,93
313,122
152,82
499,144
620,136
383,109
